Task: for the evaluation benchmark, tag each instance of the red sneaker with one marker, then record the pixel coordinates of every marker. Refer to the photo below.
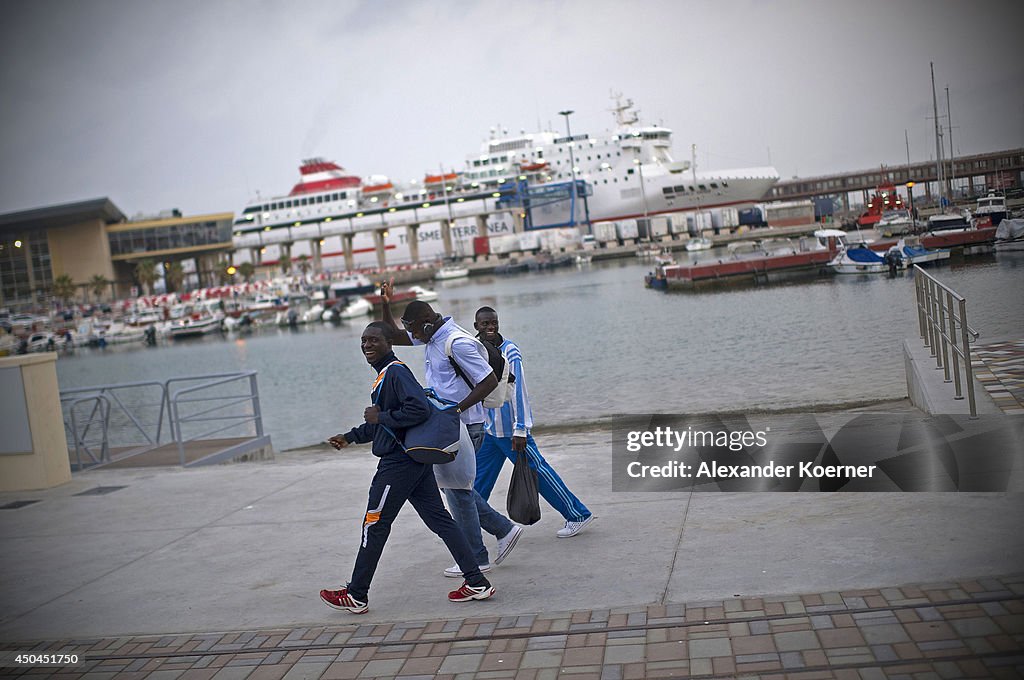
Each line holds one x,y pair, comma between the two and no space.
340,599
466,592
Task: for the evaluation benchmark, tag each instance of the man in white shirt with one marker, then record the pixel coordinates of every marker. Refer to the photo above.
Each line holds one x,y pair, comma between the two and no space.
421,325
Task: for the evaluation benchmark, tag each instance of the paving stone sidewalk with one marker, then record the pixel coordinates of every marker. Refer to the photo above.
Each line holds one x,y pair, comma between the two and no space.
965,629
999,367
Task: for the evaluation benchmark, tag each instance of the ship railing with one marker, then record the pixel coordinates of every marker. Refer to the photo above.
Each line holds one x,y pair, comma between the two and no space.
216,399
942,320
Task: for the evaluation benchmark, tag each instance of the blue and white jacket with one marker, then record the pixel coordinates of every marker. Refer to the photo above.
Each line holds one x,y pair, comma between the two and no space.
514,418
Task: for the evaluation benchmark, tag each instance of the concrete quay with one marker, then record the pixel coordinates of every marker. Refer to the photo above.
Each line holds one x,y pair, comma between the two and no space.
214,573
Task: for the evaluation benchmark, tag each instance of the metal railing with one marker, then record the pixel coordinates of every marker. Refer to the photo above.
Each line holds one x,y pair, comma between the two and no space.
942,319
101,408
185,396
132,432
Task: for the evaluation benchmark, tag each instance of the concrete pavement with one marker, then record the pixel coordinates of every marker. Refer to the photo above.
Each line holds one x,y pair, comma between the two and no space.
164,572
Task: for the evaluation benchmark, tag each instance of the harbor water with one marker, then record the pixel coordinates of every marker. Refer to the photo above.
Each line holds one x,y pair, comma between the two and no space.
597,343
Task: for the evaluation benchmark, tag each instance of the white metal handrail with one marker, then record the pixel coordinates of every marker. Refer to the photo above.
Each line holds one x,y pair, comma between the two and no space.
942,319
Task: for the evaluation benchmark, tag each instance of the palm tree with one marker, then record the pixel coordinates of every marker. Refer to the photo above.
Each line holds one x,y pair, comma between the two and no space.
304,265
145,272
286,262
174,274
98,285
64,288
247,269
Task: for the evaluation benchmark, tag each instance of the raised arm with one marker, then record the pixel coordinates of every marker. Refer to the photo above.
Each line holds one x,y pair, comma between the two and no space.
399,336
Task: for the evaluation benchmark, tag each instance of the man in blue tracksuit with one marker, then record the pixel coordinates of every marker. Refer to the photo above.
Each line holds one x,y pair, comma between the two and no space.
398,403
508,432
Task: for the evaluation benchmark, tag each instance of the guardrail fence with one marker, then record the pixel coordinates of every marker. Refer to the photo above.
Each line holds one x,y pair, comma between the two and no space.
112,422
942,319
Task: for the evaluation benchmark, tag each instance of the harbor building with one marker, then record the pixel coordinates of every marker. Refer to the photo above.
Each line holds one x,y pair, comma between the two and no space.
92,242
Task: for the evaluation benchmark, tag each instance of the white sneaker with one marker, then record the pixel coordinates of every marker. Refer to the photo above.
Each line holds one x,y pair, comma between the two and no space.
455,571
506,544
572,528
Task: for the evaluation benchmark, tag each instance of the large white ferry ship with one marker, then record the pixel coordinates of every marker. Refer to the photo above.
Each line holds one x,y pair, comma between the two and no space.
629,173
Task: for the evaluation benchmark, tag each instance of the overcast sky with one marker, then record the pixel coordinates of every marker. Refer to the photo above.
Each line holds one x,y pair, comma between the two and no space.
198,105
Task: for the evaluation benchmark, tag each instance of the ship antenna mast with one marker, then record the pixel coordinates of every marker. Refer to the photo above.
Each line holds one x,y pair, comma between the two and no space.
624,113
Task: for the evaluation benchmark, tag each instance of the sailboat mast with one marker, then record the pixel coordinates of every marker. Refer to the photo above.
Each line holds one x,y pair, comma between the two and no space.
952,168
938,142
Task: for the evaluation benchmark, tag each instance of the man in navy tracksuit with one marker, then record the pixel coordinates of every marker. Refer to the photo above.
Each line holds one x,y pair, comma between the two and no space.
398,403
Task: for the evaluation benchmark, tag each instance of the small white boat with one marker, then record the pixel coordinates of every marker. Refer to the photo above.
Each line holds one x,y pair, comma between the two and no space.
698,243
583,258
858,260
423,294
314,313
42,342
195,324
991,210
451,272
119,333
918,255
356,308
895,222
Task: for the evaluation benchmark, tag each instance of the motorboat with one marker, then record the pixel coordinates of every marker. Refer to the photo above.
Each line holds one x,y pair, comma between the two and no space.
351,284
119,333
451,272
664,258
1010,235
583,258
356,308
919,255
698,243
423,294
895,222
314,313
858,260
991,210
195,322
948,222
648,251
41,342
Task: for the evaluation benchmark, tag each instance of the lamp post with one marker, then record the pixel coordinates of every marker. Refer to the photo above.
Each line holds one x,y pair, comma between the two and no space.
572,165
910,195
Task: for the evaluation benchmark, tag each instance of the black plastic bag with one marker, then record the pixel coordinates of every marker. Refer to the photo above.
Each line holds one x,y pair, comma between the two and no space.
523,501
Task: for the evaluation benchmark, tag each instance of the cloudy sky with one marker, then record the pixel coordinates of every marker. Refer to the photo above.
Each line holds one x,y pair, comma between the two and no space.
199,104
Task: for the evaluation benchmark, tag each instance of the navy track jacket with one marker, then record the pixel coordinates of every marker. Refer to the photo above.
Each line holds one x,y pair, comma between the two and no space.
402,405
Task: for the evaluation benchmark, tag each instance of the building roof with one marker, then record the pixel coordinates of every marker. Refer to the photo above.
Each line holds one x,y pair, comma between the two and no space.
61,215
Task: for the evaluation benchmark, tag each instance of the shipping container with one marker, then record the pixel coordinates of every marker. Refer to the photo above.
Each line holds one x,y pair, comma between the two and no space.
505,243
702,221
725,218
652,228
790,213
481,245
605,232
529,240
627,230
